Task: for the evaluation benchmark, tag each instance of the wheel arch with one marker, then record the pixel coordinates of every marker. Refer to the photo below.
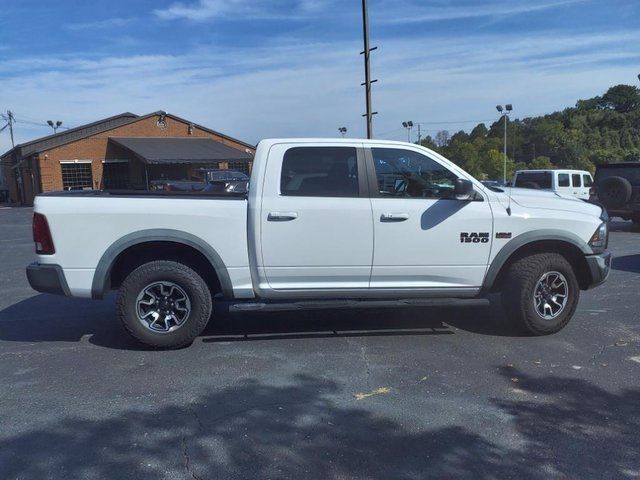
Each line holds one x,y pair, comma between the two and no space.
567,244
160,244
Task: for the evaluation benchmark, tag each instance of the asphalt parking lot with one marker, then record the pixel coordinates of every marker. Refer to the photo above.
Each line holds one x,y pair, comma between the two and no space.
430,392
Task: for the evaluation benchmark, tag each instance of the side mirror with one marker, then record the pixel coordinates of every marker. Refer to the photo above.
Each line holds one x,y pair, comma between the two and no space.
462,189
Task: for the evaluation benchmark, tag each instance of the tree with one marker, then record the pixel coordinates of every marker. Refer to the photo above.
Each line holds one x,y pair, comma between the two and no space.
621,98
598,130
492,164
479,131
541,163
428,142
442,138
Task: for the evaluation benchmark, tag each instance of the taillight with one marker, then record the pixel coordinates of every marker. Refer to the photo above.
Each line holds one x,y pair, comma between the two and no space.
167,187
42,235
593,191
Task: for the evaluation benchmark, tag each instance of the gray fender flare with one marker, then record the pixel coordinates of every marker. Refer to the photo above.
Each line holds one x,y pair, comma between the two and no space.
100,285
524,239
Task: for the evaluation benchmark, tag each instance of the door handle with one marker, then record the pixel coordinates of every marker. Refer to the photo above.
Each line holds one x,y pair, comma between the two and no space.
394,217
282,216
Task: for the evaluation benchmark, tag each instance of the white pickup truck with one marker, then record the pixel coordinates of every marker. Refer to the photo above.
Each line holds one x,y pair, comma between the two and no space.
323,220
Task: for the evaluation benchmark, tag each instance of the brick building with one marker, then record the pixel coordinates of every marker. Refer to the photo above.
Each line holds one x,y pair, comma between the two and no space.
126,151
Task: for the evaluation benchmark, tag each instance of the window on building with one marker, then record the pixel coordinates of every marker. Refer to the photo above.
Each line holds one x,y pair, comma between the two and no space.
77,175
239,167
320,172
575,180
405,173
115,175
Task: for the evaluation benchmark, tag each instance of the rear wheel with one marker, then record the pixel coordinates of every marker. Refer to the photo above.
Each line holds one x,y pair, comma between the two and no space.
540,293
164,304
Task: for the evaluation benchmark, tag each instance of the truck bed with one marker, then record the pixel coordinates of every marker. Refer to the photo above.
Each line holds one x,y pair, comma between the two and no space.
86,225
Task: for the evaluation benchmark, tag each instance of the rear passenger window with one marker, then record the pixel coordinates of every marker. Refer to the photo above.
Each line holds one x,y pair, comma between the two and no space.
587,180
563,180
575,179
533,180
320,172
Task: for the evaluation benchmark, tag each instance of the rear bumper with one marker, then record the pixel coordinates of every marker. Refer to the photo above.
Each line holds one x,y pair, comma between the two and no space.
599,266
47,278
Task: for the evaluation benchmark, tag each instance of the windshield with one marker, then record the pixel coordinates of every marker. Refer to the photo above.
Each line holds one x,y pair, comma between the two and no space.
533,180
226,175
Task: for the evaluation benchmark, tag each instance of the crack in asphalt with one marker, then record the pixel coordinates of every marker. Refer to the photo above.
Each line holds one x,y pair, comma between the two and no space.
197,418
603,348
185,450
187,460
362,349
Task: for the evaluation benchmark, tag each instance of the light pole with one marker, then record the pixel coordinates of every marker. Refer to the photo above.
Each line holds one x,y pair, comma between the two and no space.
505,113
408,125
343,131
55,125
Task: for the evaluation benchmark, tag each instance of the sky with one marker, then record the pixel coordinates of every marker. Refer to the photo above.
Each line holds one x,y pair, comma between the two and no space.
257,69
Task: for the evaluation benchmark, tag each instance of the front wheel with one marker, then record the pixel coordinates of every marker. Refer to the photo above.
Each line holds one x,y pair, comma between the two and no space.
164,304
540,293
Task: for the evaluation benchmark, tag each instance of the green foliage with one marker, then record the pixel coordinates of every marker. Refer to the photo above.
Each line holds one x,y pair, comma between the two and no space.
622,98
599,130
541,163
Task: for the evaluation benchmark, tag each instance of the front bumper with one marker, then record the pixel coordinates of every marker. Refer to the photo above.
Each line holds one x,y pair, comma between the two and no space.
599,266
47,278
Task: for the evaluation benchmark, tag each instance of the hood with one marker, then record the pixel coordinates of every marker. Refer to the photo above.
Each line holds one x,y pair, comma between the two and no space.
530,198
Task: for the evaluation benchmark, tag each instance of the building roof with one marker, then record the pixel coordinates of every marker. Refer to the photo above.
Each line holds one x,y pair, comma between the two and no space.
73,134
171,150
78,133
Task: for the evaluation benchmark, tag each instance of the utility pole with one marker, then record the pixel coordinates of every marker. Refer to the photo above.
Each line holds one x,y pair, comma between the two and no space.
17,167
11,121
419,135
367,70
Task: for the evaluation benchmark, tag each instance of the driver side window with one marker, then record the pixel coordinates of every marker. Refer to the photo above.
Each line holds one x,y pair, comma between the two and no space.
405,173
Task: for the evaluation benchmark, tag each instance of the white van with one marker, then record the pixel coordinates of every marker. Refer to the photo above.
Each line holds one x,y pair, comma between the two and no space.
574,183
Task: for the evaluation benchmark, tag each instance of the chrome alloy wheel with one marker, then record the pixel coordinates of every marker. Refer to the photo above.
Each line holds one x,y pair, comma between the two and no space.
163,307
550,295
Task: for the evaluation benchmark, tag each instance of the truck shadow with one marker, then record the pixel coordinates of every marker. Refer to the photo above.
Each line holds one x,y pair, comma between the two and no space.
627,263
48,318
312,428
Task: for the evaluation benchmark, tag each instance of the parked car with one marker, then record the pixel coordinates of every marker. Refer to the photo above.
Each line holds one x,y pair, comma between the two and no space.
229,181
575,183
177,185
326,222
617,187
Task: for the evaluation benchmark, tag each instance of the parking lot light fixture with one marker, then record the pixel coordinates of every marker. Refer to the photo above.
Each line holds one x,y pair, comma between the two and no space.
55,125
343,131
408,125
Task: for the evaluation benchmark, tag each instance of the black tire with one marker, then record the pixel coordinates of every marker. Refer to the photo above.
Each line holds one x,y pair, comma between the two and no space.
519,288
614,192
532,185
192,284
